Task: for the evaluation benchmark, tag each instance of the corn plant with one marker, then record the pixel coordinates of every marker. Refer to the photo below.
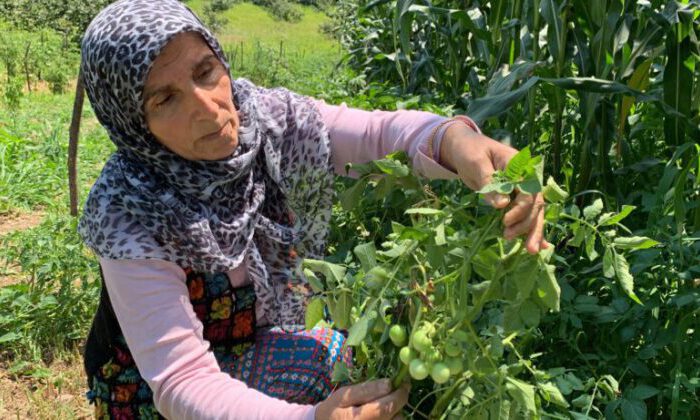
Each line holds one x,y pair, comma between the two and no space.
598,86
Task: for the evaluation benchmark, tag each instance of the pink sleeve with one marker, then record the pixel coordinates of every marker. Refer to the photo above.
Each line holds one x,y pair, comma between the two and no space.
151,303
359,136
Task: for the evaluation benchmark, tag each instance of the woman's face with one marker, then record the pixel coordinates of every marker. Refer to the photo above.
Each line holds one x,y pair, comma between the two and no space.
188,102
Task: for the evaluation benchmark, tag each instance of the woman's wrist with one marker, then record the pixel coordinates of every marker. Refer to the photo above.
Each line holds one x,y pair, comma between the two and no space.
452,146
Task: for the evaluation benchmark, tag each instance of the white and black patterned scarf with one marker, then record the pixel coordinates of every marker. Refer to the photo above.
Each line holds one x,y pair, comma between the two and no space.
267,205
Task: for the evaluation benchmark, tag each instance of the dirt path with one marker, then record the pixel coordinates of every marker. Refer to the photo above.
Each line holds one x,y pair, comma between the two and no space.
19,221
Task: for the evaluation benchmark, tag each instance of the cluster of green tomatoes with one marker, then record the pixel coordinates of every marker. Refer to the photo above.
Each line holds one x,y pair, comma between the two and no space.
424,357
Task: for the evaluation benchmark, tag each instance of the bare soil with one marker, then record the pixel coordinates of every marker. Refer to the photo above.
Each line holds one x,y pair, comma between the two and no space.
55,391
19,221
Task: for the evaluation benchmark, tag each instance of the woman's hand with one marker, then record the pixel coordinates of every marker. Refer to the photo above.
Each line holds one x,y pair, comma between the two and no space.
374,400
475,158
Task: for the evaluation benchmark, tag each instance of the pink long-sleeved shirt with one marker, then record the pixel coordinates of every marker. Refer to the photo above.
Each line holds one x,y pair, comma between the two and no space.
151,300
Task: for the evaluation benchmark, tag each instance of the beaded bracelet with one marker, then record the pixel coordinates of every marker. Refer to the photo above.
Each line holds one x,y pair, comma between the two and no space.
431,140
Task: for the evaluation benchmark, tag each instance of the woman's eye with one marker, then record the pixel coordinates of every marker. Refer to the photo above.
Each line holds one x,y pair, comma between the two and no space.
162,101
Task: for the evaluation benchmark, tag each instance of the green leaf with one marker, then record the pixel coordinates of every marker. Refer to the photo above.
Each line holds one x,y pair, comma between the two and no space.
351,197
392,167
592,211
633,409
425,211
553,193
500,187
590,247
341,309
591,84
8,337
643,392
530,186
491,106
523,393
609,219
517,165
440,238
358,331
341,373
314,313
315,282
608,265
530,313
551,393
367,254
634,242
334,273
624,277
548,289
678,79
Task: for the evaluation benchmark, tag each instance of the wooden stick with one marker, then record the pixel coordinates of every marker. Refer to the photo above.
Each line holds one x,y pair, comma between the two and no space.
74,133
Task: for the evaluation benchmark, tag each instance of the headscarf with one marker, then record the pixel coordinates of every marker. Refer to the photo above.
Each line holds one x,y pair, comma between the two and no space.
266,205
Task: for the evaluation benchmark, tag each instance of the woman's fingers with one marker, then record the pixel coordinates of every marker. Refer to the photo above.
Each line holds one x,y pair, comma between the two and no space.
533,244
357,395
385,407
526,217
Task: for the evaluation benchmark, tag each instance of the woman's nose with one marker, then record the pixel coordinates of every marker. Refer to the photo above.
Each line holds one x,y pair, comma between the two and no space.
204,104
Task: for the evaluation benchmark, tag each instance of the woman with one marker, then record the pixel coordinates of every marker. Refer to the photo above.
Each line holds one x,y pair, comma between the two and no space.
218,188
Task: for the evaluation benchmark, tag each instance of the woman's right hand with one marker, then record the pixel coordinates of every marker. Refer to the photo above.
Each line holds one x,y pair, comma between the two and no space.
374,400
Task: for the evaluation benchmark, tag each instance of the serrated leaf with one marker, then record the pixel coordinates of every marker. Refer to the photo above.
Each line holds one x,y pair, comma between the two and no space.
609,219
517,166
367,254
523,393
314,313
358,331
592,211
634,242
624,277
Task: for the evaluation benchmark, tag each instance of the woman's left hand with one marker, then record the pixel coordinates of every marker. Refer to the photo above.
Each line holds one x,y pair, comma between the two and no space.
475,157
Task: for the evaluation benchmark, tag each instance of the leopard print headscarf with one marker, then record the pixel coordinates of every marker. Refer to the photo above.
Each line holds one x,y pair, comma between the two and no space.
267,205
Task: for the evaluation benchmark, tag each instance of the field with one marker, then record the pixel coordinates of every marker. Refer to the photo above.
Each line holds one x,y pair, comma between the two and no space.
604,98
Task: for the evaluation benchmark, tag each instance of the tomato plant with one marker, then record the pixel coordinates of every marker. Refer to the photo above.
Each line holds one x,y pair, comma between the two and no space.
457,305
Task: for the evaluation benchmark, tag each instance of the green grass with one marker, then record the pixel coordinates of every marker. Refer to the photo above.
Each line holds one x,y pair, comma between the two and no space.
249,23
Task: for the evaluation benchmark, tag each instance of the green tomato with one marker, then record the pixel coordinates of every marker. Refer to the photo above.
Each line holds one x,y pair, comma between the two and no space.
420,341
406,354
452,348
455,365
397,334
440,373
418,369
432,355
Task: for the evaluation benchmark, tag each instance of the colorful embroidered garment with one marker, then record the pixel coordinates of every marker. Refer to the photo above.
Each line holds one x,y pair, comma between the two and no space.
292,365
